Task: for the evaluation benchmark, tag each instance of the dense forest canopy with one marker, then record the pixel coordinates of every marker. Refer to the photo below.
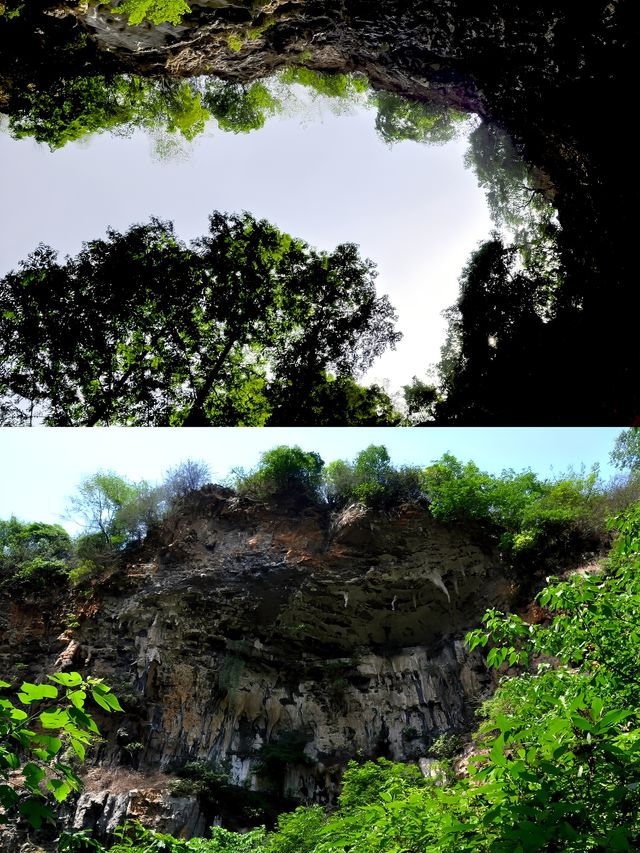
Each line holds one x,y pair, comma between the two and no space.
247,326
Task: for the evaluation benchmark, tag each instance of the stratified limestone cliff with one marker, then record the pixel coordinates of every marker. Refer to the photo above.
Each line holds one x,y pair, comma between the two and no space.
242,625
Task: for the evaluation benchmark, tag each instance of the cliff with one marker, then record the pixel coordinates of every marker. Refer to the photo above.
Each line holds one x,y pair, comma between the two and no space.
272,643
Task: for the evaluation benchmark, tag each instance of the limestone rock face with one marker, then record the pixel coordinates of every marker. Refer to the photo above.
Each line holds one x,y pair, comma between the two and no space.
243,625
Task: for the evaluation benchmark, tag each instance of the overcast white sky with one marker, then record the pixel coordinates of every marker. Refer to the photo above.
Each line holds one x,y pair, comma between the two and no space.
42,467
413,209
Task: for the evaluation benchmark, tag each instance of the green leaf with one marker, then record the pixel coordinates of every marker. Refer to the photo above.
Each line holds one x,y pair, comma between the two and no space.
77,699
112,701
100,700
34,692
497,754
67,679
34,774
78,748
580,723
8,796
596,707
35,812
18,714
11,760
612,718
60,789
51,744
56,719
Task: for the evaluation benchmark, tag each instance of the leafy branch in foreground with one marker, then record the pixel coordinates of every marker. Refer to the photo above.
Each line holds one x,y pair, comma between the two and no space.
45,730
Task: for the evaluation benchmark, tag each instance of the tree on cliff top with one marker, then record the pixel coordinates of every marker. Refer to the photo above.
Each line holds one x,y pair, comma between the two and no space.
139,329
626,451
32,553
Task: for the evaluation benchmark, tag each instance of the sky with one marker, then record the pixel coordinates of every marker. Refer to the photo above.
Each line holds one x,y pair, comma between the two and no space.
413,209
42,467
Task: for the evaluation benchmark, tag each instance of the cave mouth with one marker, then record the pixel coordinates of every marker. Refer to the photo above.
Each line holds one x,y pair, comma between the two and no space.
534,73
294,97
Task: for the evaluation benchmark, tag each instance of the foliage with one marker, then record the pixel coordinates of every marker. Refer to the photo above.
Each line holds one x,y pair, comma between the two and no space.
78,107
33,554
223,841
567,742
507,321
513,198
283,470
239,108
505,307
135,838
326,400
156,11
186,477
344,86
529,515
372,480
626,451
297,831
420,399
115,512
38,746
399,119
138,329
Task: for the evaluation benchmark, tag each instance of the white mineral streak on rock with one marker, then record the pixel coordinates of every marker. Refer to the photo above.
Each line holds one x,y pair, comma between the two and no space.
435,577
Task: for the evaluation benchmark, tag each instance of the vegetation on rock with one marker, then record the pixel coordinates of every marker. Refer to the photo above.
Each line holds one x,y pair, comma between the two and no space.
535,522
554,764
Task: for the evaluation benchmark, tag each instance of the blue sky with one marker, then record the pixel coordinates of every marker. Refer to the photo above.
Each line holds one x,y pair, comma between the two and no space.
412,208
42,467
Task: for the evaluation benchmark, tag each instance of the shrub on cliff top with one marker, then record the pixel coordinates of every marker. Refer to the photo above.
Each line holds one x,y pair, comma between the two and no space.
371,479
280,471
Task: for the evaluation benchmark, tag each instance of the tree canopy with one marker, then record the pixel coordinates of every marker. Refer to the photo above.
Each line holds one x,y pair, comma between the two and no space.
32,553
141,329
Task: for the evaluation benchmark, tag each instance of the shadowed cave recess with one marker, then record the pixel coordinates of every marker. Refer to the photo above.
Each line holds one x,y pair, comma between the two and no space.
555,77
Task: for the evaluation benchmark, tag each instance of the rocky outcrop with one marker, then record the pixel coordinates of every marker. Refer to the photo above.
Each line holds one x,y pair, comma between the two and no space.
275,643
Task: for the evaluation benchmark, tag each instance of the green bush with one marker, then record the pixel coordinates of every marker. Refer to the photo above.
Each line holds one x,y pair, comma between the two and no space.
33,554
344,86
372,480
280,471
297,831
224,841
76,108
399,119
239,108
156,11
